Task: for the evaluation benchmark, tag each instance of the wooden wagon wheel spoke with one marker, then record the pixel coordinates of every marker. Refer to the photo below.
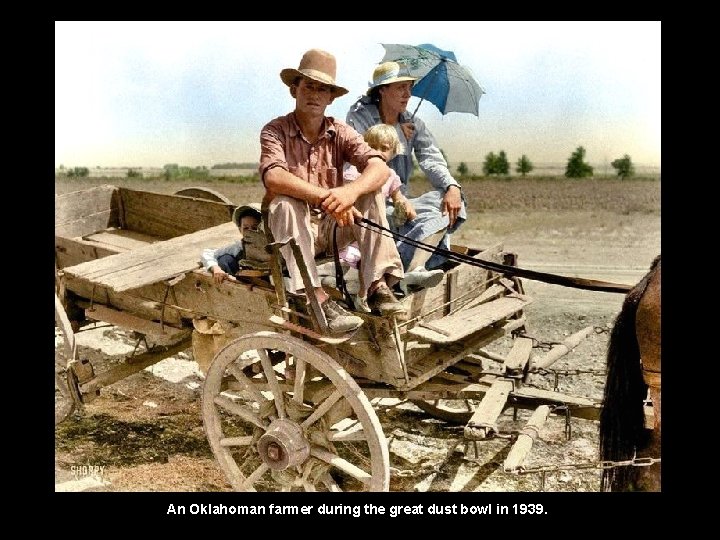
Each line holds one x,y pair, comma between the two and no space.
322,409
342,464
330,483
247,485
272,382
299,385
246,382
239,410
236,441
290,427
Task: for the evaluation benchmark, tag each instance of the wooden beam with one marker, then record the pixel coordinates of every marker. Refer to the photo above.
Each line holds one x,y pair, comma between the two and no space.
130,322
153,263
526,438
465,322
83,212
518,356
140,362
167,216
483,423
558,351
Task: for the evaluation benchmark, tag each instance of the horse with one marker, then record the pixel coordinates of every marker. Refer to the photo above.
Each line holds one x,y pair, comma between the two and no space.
633,366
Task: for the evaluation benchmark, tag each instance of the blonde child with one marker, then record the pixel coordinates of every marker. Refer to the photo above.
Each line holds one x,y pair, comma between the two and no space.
384,138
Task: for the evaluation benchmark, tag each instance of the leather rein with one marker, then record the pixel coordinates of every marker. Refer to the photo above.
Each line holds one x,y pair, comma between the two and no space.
565,281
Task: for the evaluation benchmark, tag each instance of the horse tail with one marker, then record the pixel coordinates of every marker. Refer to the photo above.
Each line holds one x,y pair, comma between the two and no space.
622,419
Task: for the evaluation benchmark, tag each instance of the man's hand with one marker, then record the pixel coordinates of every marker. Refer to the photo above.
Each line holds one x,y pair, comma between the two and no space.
451,204
348,217
339,200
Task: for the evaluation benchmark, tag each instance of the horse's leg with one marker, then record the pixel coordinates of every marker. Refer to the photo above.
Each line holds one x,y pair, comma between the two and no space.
647,325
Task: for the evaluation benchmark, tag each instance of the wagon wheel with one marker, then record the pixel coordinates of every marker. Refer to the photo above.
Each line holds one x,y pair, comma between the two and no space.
204,193
312,431
455,411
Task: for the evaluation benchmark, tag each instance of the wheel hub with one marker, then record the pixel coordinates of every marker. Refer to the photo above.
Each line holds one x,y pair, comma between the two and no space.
283,445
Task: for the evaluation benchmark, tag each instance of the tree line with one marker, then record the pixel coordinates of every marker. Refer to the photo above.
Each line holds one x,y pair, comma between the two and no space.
499,165
494,164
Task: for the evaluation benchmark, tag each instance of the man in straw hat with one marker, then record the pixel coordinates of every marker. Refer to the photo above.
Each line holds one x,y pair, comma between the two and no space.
301,163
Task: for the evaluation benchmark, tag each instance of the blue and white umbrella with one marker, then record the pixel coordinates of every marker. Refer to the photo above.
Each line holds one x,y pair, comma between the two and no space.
443,82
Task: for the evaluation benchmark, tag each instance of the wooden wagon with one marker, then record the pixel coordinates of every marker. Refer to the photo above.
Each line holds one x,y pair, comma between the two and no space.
284,405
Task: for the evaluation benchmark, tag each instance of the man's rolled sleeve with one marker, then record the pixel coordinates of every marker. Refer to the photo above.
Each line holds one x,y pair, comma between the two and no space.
272,152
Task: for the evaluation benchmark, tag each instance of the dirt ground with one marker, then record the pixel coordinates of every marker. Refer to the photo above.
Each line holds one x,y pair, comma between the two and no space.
145,432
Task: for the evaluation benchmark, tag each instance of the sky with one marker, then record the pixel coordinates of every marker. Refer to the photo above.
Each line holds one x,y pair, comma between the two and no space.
144,94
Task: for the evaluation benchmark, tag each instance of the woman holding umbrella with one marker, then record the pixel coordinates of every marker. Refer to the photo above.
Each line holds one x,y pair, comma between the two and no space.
439,212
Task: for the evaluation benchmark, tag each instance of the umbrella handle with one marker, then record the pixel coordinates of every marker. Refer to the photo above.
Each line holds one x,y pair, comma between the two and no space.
435,72
416,108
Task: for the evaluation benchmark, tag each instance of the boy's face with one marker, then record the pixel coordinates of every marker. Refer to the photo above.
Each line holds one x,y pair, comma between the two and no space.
248,223
313,97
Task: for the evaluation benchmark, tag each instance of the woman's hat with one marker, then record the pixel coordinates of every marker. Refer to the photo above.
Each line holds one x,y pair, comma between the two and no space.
251,209
387,73
317,65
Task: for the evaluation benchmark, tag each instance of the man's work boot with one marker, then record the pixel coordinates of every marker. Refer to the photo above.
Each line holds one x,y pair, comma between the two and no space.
385,302
339,321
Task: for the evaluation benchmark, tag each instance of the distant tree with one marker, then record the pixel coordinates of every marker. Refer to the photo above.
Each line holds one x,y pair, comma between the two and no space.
496,164
462,169
502,165
132,173
524,165
624,167
171,170
234,165
576,166
78,172
489,166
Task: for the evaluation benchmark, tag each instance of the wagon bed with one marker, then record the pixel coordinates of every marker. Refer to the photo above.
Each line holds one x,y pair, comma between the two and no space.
131,258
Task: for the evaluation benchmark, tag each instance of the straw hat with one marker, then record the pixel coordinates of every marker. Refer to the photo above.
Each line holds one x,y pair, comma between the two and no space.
317,65
252,209
387,73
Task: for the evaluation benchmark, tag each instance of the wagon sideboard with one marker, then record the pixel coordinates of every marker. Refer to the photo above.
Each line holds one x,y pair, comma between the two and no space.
137,253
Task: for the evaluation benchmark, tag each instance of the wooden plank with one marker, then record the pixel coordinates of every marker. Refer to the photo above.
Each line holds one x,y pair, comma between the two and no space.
518,356
466,322
483,422
73,207
452,291
434,363
140,302
121,239
129,321
87,224
168,216
153,263
526,438
69,252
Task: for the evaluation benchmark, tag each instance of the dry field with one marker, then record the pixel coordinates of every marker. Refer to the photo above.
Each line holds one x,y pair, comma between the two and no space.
146,431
